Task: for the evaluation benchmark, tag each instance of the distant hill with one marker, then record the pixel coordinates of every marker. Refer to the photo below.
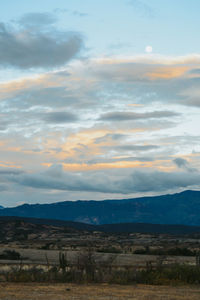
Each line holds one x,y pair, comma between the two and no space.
181,208
1,207
46,224
56,223
149,228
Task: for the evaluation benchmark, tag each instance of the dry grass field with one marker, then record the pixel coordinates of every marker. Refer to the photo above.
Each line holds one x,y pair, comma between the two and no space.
38,257
10,291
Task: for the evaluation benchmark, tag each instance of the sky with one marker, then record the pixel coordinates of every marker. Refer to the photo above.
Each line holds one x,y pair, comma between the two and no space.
98,99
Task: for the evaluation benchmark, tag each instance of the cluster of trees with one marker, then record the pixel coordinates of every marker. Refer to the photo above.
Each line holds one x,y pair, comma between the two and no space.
10,255
176,251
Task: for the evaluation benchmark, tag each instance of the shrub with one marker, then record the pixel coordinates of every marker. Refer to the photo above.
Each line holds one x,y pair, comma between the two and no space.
10,255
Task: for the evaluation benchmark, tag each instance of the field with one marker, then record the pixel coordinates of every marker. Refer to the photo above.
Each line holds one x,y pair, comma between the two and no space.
33,257
95,292
41,261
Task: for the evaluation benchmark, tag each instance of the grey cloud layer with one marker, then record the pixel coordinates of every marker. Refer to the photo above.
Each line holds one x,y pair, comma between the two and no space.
159,181
128,116
60,117
184,164
122,182
32,48
37,20
136,147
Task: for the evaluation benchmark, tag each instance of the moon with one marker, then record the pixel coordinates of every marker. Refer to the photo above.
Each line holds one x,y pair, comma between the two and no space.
148,49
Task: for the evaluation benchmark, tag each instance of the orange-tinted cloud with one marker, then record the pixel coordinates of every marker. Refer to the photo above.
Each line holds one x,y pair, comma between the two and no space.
167,72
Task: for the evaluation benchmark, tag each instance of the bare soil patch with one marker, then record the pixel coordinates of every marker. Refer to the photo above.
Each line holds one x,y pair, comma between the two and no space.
9,291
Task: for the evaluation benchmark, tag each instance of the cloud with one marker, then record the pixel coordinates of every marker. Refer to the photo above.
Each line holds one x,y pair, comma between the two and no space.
95,83
183,164
136,147
79,14
143,8
159,181
150,79
76,13
37,20
103,160
3,188
56,179
10,171
60,117
121,182
112,136
31,47
82,117
3,124
130,116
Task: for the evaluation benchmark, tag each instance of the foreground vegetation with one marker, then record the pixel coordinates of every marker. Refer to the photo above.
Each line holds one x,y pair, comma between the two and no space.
167,276
87,270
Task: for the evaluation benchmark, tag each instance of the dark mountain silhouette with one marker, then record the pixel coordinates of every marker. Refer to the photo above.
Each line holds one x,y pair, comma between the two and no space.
108,228
181,208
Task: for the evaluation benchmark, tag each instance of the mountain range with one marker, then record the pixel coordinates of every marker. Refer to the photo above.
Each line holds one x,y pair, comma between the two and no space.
180,208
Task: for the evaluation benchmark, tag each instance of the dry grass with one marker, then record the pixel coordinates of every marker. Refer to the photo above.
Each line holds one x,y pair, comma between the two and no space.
35,256
9,291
